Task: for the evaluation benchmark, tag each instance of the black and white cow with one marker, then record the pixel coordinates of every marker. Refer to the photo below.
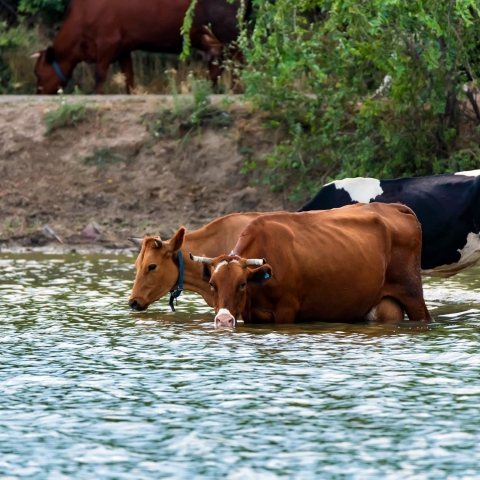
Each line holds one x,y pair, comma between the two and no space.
447,206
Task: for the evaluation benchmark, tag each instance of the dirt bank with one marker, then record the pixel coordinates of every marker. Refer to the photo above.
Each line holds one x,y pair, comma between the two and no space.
111,172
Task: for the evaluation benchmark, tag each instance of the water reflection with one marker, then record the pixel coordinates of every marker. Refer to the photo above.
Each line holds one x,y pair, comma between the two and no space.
92,390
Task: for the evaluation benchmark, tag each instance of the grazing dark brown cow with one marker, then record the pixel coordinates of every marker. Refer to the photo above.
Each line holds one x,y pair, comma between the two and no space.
102,31
360,261
157,265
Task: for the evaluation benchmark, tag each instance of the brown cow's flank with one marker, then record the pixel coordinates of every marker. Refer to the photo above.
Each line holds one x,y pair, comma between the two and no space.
337,265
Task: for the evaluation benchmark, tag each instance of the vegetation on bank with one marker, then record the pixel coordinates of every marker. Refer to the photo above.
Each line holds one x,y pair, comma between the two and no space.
187,115
379,88
65,115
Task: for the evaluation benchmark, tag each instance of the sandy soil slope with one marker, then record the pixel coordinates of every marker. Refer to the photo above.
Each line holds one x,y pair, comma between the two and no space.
155,187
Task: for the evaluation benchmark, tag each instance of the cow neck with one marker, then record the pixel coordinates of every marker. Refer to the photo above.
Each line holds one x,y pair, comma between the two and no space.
64,68
67,56
211,240
192,277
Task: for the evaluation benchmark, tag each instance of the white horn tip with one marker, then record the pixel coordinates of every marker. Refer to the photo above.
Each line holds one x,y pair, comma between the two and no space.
258,262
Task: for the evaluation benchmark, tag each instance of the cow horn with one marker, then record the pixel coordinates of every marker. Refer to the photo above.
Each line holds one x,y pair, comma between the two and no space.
136,241
205,260
257,262
158,242
35,55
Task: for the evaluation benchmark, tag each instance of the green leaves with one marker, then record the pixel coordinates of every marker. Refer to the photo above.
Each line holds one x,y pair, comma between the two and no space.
185,30
48,9
324,64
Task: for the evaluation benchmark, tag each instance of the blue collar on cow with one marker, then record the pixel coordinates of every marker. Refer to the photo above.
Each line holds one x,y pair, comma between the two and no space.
59,72
175,294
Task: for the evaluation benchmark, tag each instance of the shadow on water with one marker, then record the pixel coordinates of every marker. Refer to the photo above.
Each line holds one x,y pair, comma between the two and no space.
90,389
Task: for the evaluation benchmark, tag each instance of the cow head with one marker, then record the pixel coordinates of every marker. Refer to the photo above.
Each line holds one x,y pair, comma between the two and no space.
228,276
157,272
48,80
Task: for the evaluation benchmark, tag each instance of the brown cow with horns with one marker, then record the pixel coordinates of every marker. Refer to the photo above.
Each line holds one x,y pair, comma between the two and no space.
360,261
103,31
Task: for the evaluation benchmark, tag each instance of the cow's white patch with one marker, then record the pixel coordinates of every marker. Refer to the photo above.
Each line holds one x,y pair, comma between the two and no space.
360,189
371,316
223,311
469,256
469,173
222,263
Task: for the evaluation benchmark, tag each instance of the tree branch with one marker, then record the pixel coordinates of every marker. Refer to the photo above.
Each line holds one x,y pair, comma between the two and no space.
473,102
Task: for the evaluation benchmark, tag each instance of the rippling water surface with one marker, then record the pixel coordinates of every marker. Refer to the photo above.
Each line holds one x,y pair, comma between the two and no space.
89,389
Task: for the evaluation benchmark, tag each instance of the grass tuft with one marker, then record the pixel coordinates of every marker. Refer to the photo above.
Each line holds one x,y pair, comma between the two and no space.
104,158
66,115
187,116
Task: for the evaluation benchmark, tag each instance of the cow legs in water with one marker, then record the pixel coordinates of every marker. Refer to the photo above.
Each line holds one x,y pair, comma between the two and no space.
416,309
410,297
126,67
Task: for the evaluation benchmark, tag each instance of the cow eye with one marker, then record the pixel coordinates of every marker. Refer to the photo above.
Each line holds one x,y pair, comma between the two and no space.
242,286
212,286
152,267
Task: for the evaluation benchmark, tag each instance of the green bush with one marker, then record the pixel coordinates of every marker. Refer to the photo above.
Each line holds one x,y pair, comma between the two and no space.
16,68
318,67
66,115
50,11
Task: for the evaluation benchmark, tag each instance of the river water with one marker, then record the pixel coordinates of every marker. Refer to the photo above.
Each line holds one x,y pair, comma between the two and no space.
89,389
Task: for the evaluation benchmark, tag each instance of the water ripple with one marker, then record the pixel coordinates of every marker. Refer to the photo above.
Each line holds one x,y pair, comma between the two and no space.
92,390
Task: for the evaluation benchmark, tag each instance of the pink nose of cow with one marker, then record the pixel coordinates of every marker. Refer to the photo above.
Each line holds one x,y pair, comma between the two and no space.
225,320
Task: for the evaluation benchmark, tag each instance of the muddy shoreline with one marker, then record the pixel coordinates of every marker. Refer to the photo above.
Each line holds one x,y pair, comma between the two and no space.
62,183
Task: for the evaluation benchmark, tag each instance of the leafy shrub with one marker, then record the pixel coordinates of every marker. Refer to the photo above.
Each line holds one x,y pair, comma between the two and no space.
50,11
16,68
319,67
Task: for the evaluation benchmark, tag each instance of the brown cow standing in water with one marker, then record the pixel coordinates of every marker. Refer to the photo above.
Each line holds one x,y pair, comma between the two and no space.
359,261
157,264
102,31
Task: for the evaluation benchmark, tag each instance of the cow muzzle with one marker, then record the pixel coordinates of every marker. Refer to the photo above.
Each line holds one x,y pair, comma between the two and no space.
224,319
136,305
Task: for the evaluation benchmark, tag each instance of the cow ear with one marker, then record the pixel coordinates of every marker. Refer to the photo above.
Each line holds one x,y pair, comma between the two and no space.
260,275
50,55
206,273
176,242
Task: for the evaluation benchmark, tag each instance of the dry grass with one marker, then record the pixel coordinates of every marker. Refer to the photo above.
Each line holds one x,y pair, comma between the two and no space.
153,75
152,71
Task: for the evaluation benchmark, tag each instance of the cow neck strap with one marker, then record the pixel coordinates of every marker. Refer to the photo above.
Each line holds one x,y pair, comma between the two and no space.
176,293
59,72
